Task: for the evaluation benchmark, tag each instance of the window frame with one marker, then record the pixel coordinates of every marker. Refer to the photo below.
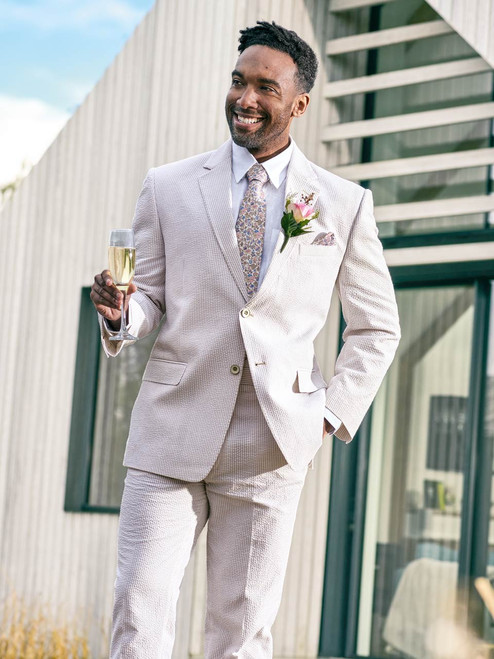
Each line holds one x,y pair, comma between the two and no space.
83,412
349,467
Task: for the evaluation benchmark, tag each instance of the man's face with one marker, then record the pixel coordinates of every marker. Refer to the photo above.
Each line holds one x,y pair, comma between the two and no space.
262,101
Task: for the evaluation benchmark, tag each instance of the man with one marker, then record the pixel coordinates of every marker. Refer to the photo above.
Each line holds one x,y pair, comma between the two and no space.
232,404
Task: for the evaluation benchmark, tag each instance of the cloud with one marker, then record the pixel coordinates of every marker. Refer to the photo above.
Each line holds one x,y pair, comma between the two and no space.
52,15
70,91
27,128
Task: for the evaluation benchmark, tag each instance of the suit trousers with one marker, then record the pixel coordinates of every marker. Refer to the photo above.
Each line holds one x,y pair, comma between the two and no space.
249,499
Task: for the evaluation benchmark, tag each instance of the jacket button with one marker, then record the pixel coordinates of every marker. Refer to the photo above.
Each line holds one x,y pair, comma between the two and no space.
234,369
245,313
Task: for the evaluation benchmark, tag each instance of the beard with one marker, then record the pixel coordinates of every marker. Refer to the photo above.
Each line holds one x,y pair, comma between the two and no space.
261,138
252,141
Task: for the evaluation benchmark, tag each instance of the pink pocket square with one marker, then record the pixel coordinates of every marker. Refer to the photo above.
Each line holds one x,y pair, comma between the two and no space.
325,239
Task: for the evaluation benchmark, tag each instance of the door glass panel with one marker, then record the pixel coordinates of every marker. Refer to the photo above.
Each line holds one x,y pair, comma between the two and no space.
488,438
415,479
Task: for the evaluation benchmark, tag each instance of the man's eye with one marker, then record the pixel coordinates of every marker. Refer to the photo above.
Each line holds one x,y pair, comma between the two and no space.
236,82
268,89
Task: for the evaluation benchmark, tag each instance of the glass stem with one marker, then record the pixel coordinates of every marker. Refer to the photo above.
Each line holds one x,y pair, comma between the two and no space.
123,320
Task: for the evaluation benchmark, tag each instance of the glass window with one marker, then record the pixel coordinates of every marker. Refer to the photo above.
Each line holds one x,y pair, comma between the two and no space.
488,439
104,393
415,480
443,94
434,95
118,384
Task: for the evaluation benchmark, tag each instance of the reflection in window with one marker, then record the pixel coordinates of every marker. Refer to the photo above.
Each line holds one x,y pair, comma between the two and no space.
415,483
488,432
443,94
433,95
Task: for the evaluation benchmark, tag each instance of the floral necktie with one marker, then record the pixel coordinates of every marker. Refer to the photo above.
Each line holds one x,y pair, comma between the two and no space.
250,226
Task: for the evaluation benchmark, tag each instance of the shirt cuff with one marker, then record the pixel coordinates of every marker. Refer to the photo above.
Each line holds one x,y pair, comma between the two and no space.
332,419
135,318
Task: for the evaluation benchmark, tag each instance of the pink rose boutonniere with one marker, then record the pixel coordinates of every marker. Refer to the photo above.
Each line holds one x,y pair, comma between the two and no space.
298,213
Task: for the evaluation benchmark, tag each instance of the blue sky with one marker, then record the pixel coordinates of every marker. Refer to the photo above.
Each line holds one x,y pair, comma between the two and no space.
52,52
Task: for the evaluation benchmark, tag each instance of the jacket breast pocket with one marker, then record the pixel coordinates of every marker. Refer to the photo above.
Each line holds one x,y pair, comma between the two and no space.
309,277
164,372
323,251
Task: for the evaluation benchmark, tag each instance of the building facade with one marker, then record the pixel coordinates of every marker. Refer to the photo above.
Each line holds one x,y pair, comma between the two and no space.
392,528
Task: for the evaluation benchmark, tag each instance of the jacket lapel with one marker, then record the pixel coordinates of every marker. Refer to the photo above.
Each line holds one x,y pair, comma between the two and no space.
301,179
215,185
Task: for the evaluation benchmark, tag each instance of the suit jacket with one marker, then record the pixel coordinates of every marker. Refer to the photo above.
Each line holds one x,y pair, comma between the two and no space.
188,268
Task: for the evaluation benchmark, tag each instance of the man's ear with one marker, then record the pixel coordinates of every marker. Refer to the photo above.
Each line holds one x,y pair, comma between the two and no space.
301,104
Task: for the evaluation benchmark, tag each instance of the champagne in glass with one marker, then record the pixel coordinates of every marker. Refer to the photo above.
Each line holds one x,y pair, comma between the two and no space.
122,266
122,258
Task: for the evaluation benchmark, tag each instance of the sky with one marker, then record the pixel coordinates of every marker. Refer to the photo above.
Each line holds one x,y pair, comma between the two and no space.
52,53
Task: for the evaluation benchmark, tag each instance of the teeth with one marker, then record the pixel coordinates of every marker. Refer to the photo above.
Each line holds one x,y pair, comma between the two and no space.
247,120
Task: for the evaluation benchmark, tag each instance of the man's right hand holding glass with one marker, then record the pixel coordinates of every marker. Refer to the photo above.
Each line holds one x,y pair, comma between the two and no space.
108,299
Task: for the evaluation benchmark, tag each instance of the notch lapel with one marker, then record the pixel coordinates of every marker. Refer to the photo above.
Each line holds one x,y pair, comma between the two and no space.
301,177
215,185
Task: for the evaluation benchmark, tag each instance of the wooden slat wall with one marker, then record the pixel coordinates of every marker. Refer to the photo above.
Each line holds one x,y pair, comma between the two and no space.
160,100
409,121
387,37
409,76
346,5
415,165
473,19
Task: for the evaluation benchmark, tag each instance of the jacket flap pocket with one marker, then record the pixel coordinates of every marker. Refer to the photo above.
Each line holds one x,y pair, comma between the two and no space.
164,372
309,380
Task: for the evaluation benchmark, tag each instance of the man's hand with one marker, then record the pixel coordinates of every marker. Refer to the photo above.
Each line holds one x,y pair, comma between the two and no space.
108,299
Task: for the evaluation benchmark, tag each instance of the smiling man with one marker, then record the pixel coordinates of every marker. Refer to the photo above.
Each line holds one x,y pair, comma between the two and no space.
264,98
233,406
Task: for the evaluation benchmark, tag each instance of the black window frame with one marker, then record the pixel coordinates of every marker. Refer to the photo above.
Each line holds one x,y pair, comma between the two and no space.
83,412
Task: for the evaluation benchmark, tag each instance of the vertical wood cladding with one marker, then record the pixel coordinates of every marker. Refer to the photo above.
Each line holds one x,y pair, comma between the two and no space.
473,20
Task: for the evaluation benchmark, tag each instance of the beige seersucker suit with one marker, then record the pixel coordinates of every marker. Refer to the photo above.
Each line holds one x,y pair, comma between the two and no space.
231,407
188,263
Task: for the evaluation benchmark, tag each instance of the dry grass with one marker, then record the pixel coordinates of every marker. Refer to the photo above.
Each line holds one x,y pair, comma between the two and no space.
28,634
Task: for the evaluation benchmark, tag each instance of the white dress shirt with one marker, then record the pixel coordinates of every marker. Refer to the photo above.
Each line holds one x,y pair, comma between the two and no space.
274,189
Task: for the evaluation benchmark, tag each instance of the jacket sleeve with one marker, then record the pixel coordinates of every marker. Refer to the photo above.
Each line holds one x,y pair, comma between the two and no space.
372,331
147,304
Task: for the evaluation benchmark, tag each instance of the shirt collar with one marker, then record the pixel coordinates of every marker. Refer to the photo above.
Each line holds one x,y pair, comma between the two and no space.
242,161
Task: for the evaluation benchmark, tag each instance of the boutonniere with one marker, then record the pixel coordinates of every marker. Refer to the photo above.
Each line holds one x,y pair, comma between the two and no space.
299,211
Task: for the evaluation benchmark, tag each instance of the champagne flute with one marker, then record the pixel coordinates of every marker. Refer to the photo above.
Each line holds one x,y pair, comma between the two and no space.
122,259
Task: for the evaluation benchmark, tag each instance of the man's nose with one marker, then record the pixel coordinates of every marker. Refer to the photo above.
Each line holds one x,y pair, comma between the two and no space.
248,98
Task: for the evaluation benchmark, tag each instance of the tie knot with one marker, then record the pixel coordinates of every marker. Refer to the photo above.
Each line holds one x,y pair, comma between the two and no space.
257,173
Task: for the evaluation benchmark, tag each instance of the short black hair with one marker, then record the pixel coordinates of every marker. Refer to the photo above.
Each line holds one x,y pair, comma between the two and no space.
288,41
